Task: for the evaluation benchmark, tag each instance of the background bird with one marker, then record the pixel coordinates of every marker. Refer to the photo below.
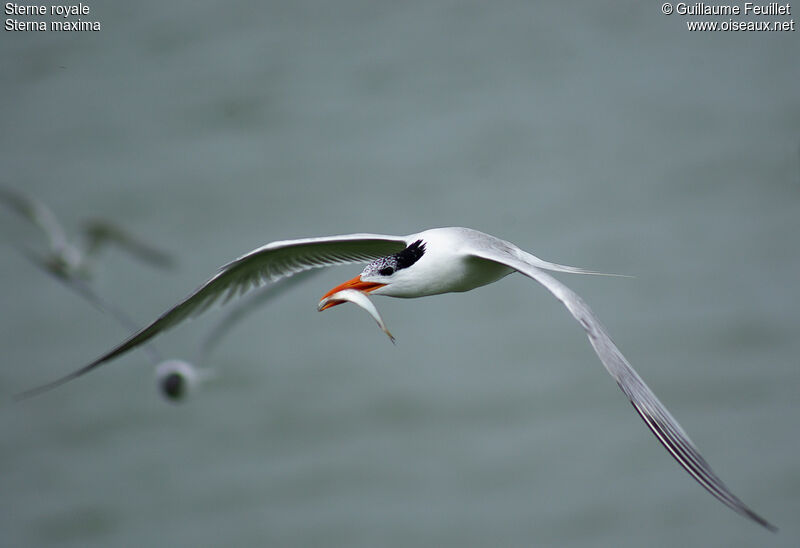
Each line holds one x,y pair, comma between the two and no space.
68,258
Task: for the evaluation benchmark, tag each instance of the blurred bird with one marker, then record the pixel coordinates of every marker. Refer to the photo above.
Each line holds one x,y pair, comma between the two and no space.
68,259
176,379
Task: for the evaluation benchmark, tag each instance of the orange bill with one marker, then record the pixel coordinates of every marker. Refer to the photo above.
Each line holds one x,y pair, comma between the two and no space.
356,283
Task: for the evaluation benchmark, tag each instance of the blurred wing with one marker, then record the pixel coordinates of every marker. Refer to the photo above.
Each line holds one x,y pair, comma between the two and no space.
99,233
271,262
84,290
655,415
38,214
245,308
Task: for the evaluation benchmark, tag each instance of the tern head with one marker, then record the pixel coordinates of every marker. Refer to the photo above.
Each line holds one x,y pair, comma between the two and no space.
384,276
176,379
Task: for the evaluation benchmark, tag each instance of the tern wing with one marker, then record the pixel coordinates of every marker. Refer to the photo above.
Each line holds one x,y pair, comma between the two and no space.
245,308
98,233
652,411
38,214
271,262
83,289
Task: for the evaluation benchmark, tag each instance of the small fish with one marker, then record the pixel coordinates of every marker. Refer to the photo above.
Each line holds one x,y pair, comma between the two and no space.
358,298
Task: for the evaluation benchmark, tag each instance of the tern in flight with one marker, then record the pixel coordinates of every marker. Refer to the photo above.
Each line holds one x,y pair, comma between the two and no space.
176,378
432,262
67,259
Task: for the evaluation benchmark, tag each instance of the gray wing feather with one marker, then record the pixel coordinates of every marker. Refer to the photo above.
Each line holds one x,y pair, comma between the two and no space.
99,232
245,308
271,262
647,405
38,214
84,290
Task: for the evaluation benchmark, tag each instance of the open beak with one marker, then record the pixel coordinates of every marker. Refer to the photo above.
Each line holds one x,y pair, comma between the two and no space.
356,284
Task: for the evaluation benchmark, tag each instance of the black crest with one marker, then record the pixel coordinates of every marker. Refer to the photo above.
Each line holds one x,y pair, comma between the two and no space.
410,255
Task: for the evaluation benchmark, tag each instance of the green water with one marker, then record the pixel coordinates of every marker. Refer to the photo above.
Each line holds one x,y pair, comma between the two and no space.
608,138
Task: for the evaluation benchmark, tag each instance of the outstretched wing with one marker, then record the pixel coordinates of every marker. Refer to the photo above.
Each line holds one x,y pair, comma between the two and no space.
99,233
244,308
652,411
83,289
38,214
271,262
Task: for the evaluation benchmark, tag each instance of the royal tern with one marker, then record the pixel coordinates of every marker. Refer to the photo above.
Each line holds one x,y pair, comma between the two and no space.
176,379
440,260
64,257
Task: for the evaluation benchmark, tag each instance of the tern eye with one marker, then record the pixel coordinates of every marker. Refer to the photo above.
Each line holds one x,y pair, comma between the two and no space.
386,271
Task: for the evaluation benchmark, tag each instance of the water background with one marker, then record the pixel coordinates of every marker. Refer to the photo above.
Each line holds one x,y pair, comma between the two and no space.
605,137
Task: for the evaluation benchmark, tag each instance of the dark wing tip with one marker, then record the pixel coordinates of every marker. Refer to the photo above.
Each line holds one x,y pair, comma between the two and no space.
41,389
687,455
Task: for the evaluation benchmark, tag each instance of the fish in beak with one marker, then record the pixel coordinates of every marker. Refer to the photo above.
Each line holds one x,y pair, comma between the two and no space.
356,284
359,298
